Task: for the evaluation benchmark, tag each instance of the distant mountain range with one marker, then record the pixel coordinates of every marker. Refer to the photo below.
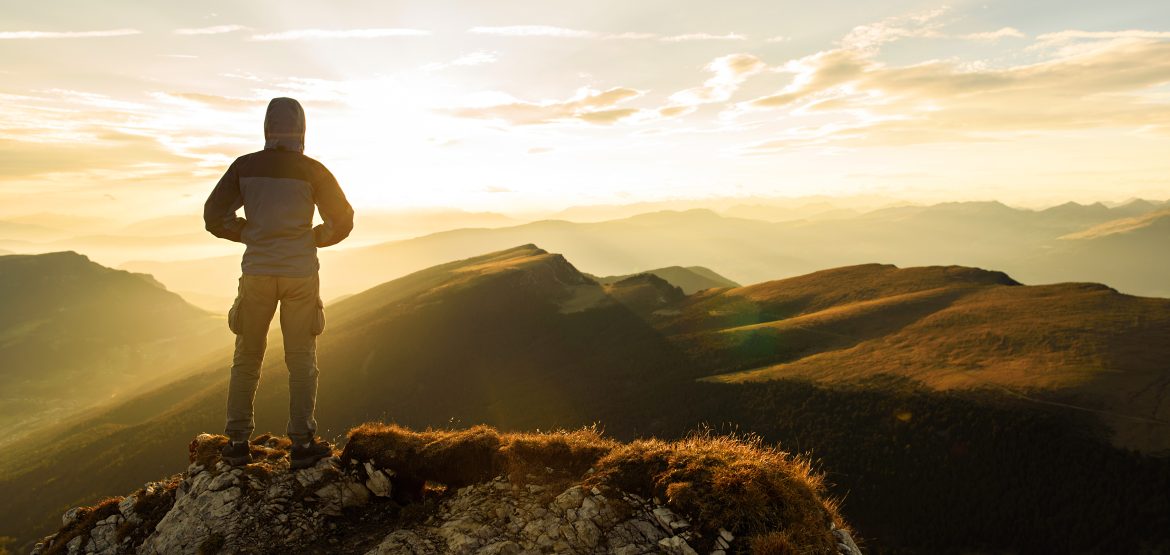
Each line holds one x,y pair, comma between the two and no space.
690,280
911,386
74,333
1046,246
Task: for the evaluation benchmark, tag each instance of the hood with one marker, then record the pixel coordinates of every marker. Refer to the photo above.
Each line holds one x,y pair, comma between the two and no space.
284,125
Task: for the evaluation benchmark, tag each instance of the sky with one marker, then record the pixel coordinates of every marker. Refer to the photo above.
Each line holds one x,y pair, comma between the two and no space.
111,108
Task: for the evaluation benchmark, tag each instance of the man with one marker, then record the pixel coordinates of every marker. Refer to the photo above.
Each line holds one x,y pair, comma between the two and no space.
278,187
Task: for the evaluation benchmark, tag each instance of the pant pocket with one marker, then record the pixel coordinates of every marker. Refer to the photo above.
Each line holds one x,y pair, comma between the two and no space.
234,312
319,317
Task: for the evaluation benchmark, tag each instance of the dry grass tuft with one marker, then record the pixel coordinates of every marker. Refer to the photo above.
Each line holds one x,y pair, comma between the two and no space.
571,452
86,519
265,448
740,484
721,481
204,449
457,458
772,543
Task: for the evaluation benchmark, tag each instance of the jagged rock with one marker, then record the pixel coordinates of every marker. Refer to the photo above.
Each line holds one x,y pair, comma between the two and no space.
228,511
403,541
498,518
266,508
378,481
845,543
675,545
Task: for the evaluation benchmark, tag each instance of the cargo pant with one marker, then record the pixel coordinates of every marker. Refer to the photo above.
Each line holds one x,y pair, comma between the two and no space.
302,318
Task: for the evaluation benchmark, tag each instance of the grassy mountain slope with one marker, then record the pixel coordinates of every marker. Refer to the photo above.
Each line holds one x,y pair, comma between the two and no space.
944,327
520,339
74,333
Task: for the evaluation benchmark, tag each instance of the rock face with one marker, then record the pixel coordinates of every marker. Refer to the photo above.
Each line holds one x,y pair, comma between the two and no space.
266,508
237,512
500,517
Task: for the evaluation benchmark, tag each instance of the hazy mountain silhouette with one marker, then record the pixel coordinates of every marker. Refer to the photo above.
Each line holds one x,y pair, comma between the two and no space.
1024,243
521,339
75,332
1129,251
690,280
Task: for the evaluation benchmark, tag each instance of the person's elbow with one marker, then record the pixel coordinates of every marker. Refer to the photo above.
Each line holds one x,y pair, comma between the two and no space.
333,231
233,232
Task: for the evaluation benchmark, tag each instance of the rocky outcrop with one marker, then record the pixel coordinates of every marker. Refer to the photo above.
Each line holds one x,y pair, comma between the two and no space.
501,517
266,508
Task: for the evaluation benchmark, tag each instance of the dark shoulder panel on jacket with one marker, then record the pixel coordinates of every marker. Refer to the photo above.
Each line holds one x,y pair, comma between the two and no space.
279,164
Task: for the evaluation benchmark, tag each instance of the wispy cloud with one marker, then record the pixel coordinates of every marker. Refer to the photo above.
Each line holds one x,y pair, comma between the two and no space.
1074,41
915,25
310,34
729,73
990,36
874,103
214,30
1074,34
566,33
216,101
30,35
690,37
587,105
534,31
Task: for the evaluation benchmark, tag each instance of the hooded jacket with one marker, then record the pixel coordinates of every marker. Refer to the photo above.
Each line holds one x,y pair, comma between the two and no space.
278,188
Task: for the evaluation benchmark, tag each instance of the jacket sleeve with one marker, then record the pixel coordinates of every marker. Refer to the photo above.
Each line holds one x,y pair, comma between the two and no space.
219,212
335,210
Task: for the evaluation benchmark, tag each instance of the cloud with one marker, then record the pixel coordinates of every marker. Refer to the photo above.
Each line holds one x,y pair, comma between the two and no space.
1071,35
215,101
587,105
310,34
730,72
689,37
566,33
778,38
473,59
890,29
30,35
215,30
878,104
533,31
991,36
1075,42
108,151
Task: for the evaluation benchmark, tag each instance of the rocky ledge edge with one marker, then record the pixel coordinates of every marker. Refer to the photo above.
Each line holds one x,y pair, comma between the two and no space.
476,491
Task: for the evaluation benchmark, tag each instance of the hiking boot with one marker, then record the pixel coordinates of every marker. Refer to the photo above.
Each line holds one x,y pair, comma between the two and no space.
236,453
307,454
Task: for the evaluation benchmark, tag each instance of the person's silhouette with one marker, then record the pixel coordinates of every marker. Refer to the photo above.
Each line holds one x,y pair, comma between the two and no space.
278,187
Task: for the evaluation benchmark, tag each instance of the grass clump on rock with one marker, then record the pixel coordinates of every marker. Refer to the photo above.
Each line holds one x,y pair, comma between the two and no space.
739,484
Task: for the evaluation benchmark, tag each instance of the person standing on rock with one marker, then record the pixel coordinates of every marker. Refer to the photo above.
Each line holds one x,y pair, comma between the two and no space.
278,188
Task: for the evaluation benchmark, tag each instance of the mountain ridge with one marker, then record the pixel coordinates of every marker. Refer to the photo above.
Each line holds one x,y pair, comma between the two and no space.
489,340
